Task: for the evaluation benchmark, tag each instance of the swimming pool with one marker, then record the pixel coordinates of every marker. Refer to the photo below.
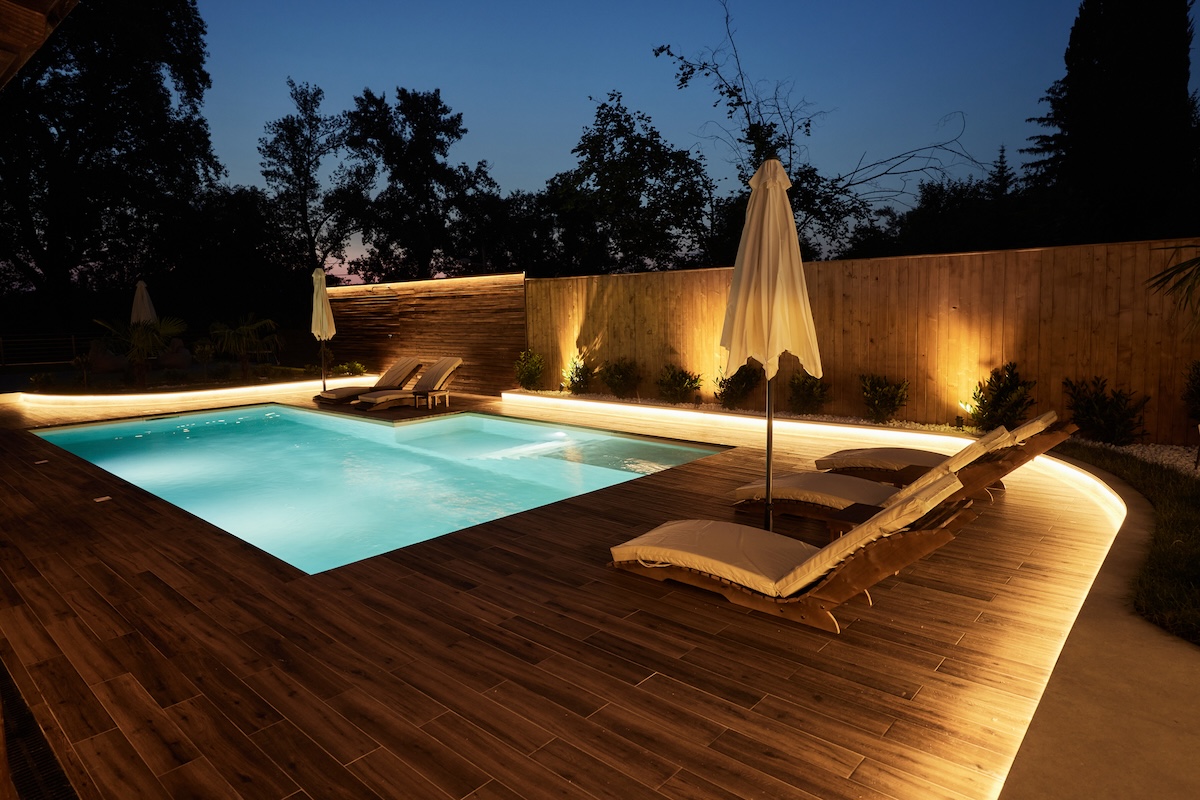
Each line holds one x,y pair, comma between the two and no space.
321,490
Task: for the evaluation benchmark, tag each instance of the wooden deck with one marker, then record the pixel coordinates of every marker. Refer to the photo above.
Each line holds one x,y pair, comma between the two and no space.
163,657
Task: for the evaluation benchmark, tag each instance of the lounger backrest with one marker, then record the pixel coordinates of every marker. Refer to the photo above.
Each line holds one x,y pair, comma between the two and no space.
891,519
1034,426
402,370
993,440
436,376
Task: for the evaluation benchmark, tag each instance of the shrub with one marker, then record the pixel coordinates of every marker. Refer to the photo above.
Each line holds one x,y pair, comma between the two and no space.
578,376
350,368
1114,418
1191,390
806,394
621,376
1004,399
530,367
883,398
677,385
733,390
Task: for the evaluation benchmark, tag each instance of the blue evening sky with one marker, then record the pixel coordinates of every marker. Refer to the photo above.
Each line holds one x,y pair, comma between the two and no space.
521,72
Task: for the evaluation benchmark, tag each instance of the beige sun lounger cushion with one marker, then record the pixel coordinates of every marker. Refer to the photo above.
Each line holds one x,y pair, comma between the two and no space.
768,563
819,488
898,458
393,378
841,491
432,380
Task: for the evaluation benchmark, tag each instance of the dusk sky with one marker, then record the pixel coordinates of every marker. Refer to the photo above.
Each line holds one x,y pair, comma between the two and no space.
521,73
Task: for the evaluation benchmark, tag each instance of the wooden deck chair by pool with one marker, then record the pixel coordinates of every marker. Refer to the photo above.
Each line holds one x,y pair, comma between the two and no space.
841,501
845,500
433,383
395,377
903,465
779,575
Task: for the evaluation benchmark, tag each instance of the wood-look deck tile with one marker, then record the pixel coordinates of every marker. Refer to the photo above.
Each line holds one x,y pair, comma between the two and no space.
242,764
317,773
507,660
478,708
153,734
525,776
445,766
621,755
711,765
329,729
384,773
117,769
197,780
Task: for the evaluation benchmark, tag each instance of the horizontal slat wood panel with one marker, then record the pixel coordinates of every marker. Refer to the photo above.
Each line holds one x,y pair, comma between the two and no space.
479,319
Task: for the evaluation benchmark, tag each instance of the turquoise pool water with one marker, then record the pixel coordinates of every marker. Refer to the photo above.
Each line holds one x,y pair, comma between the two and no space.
321,490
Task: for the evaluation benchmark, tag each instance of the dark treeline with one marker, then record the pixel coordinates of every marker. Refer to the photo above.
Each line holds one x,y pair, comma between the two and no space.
107,176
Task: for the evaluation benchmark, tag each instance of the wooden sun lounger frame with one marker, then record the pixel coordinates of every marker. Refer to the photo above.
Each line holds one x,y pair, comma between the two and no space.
977,478
848,581
907,474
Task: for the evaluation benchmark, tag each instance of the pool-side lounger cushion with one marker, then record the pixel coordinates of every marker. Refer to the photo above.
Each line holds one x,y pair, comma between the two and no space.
769,563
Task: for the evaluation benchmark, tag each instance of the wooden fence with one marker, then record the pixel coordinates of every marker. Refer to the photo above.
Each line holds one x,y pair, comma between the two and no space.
479,319
939,322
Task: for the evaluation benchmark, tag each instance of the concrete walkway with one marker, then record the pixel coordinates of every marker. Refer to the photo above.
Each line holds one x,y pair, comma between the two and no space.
1120,717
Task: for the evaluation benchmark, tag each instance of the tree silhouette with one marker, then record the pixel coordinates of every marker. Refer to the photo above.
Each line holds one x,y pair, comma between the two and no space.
634,202
406,225
1119,159
102,144
293,154
766,122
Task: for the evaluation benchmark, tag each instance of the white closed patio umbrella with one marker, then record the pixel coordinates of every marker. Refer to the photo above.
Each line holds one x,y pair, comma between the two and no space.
143,309
768,310
322,316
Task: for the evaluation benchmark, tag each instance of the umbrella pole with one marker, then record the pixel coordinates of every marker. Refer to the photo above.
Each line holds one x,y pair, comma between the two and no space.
768,520
322,365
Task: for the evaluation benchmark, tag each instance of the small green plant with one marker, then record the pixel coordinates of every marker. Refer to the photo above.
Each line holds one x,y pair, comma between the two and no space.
677,385
530,366
806,394
1191,390
1114,418
883,398
349,368
1004,399
621,376
41,381
733,390
578,375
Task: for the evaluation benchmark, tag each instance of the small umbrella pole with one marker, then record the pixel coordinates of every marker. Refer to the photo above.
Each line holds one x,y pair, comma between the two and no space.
768,521
322,366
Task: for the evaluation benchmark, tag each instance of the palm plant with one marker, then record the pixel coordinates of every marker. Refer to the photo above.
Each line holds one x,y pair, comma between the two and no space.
250,336
143,341
1183,280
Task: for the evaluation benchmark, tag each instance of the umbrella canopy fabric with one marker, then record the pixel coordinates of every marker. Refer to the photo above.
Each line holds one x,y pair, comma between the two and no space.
768,310
143,309
322,313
